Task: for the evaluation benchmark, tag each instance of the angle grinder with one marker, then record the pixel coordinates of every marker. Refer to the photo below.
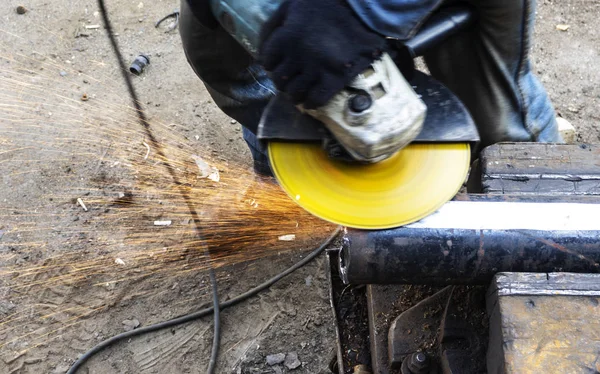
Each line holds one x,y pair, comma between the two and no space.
385,151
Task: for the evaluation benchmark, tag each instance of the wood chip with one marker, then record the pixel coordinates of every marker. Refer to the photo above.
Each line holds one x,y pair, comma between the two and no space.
287,238
562,27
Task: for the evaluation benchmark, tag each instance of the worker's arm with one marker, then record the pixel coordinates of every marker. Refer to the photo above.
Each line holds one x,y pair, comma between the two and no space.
394,18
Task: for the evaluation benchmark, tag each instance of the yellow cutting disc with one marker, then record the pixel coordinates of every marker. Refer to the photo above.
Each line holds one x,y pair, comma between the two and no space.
402,189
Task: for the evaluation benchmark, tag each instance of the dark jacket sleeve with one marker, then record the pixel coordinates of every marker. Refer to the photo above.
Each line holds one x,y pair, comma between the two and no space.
394,18
203,12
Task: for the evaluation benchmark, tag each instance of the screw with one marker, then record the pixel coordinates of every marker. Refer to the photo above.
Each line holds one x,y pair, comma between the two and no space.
418,363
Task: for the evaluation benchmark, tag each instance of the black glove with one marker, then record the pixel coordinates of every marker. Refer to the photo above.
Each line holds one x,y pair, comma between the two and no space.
313,48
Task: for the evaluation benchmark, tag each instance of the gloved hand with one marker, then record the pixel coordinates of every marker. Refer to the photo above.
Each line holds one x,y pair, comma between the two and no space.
313,48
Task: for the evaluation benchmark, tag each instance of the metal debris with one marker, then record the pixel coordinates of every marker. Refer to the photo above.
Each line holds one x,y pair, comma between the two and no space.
173,25
206,171
147,150
139,64
80,202
287,238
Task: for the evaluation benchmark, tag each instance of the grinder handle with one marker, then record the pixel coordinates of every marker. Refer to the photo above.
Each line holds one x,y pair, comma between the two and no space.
441,25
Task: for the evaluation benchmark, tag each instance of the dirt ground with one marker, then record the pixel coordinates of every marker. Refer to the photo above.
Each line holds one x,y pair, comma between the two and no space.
70,277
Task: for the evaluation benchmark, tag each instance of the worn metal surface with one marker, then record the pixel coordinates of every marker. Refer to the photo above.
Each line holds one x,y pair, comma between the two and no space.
448,256
349,305
385,303
448,324
534,330
463,333
455,256
449,251
538,169
417,328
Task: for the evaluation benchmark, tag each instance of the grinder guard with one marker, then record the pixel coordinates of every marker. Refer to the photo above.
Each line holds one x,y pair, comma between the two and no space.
450,122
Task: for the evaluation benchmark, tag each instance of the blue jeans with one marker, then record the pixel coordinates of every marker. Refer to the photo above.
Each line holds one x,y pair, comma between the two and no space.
487,67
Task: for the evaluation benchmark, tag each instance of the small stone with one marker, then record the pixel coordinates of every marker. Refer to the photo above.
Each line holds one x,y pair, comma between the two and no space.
566,130
308,280
233,122
131,324
291,361
21,9
63,73
276,359
277,370
5,305
11,357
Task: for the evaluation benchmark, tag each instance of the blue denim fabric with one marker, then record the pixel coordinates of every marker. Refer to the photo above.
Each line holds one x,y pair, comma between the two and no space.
488,67
394,18
259,153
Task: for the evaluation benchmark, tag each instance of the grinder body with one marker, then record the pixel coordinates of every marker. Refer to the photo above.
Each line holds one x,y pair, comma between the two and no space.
374,117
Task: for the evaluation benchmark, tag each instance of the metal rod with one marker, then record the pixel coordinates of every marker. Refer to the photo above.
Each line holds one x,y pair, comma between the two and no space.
469,242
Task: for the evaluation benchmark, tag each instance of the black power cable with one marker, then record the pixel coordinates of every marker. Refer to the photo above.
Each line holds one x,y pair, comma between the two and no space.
204,312
215,310
143,120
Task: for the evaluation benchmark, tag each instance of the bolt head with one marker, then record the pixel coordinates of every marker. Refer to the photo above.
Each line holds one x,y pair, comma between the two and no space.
360,103
419,362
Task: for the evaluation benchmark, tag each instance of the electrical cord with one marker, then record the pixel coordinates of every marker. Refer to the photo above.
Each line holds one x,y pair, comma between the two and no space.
217,307
204,312
143,120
